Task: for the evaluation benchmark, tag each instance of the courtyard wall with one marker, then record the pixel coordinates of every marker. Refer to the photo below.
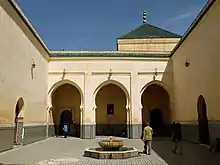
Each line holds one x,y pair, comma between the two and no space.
201,50
20,48
90,74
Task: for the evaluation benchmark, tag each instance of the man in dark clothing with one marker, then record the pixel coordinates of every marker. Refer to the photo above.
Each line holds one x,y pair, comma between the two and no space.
177,137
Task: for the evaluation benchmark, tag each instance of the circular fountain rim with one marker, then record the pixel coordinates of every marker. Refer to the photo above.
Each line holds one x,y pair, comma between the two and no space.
120,152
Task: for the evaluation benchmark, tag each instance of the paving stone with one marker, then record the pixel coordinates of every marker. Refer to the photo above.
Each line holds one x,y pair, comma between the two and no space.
60,151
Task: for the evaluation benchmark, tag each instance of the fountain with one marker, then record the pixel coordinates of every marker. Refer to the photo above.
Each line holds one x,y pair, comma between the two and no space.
111,149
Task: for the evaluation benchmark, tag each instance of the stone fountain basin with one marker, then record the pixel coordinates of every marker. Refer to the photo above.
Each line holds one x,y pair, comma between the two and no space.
100,153
111,144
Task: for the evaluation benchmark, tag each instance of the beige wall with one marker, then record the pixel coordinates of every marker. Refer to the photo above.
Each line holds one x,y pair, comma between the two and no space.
17,50
201,50
149,45
90,74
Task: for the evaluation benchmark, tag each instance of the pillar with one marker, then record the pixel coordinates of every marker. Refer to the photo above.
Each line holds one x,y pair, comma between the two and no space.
88,113
136,108
19,131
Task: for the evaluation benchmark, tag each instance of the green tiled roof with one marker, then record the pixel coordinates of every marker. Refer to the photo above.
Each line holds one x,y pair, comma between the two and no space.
107,54
148,31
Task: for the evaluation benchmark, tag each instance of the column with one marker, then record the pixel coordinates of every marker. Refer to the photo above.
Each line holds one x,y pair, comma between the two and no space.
136,110
88,113
19,132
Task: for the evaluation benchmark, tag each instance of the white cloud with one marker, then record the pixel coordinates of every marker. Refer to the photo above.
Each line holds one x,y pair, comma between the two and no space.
183,16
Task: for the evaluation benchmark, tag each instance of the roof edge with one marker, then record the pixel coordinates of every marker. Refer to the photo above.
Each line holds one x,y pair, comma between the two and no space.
110,54
177,35
124,34
28,24
104,51
193,25
120,37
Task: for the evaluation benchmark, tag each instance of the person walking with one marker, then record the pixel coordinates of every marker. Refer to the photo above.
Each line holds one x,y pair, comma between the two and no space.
147,138
65,130
176,138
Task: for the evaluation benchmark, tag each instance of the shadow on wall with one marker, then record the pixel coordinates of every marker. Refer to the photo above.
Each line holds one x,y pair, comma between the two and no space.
156,111
157,102
167,79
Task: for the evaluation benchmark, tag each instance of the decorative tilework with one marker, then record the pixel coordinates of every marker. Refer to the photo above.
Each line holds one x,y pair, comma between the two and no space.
19,134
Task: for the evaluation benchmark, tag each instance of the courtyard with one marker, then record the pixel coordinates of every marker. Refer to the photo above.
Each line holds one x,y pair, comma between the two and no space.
70,151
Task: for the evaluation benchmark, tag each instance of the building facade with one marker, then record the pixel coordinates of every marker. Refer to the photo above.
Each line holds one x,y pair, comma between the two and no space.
109,93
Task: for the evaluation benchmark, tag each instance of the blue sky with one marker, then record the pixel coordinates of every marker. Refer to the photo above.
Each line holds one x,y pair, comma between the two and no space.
95,24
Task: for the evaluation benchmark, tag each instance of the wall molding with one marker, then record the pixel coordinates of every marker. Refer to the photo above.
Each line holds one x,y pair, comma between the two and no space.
76,58
112,73
66,72
151,72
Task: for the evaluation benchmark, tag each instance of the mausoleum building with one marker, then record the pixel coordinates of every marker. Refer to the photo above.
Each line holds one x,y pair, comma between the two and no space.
154,76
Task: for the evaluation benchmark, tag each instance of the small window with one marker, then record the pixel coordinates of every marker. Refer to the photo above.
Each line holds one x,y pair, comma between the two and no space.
110,109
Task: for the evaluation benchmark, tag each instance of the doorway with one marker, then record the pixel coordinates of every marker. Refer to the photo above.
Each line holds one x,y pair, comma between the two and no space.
18,129
156,109
65,118
203,125
66,100
156,119
111,112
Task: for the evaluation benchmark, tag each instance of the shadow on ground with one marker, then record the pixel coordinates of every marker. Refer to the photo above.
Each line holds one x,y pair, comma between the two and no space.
193,154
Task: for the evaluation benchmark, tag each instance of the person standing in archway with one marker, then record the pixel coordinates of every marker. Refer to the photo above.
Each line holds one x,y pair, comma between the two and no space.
147,138
65,130
177,137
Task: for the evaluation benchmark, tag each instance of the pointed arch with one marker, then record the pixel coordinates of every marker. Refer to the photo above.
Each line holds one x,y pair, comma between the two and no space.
19,116
60,83
156,82
63,95
118,84
116,123
156,106
19,108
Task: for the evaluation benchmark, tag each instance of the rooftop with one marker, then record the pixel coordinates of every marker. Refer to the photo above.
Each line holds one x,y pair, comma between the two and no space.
146,30
64,53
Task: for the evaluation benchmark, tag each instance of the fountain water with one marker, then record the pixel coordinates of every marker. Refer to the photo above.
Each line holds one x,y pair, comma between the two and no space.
111,149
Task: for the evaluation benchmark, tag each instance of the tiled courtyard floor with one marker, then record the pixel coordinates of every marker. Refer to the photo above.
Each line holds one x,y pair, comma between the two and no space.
59,151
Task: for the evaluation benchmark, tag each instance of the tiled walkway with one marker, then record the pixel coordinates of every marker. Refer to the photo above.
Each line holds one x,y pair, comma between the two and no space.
69,151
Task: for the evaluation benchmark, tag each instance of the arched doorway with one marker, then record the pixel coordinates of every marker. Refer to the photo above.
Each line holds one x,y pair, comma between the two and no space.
202,121
66,101
111,112
156,109
18,129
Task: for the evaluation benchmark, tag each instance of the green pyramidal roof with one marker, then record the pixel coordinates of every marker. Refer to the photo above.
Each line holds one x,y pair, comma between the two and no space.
148,31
